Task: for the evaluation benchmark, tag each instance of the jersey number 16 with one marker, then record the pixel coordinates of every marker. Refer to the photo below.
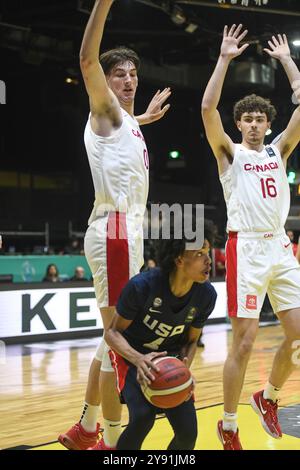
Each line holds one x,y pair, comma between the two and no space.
268,188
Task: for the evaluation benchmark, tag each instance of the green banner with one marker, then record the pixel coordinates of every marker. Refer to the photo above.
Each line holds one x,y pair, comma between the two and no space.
33,268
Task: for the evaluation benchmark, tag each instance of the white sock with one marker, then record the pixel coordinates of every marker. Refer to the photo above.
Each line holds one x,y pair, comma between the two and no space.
89,417
112,432
270,392
230,421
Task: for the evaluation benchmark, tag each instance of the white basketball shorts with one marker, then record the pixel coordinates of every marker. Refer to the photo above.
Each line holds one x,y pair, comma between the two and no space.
260,263
113,247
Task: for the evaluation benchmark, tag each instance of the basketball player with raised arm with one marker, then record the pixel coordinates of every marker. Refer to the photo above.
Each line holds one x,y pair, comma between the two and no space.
113,245
161,311
259,255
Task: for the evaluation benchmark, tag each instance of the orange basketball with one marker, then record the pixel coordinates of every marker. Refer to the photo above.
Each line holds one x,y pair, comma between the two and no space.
172,384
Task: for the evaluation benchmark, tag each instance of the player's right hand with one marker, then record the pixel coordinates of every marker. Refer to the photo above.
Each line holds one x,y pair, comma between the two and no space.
145,365
231,40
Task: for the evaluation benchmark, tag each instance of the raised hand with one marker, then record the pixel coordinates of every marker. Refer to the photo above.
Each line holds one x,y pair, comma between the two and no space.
154,111
231,40
279,48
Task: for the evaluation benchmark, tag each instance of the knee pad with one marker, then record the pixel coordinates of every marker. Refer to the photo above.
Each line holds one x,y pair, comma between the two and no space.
106,362
100,350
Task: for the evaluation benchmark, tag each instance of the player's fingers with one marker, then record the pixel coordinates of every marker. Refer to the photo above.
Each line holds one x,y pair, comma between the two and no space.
163,96
165,109
189,397
142,378
241,36
161,113
237,31
243,48
154,97
280,39
146,373
274,39
161,353
225,31
268,51
193,383
285,39
271,45
156,356
231,31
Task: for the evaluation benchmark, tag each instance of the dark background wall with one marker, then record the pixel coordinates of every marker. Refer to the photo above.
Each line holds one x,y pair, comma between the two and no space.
44,173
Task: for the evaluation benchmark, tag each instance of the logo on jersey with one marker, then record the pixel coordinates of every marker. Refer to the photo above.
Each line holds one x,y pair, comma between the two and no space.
162,329
268,235
152,310
157,302
270,152
261,168
191,315
251,302
138,134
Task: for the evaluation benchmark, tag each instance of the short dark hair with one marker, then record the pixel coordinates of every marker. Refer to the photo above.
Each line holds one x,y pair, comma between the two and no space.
167,251
119,55
253,103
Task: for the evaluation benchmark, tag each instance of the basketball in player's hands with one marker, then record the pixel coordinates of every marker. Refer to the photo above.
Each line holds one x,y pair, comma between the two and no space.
172,385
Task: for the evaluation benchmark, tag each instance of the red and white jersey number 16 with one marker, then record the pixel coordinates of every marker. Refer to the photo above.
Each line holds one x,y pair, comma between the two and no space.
268,187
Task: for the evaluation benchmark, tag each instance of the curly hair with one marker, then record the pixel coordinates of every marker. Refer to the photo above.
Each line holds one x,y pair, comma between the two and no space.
167,251
253,103
119,55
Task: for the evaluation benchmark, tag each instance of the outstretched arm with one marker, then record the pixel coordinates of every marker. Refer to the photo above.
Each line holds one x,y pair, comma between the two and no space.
102,100
154,111
279,49
219,141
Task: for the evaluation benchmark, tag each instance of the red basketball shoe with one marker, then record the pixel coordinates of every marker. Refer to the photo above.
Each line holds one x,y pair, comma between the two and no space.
79,439
101,446
229,439
267,412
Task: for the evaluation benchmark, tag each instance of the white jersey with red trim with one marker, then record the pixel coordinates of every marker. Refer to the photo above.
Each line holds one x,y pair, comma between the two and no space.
256,190
120,169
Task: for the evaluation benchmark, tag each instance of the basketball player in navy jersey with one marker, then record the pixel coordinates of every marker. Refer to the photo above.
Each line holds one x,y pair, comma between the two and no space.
161,311
113,245
258,252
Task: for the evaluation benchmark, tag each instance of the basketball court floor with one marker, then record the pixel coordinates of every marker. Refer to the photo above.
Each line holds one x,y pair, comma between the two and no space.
42,389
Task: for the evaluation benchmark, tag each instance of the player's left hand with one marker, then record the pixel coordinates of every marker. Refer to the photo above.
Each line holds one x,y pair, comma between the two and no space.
185,361
154,112
279,48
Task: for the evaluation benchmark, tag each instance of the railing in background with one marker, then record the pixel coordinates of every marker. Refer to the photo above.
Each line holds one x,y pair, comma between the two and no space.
74,233
17,233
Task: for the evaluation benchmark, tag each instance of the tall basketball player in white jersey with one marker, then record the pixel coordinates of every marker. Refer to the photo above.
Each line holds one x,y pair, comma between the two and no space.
259,255
119,165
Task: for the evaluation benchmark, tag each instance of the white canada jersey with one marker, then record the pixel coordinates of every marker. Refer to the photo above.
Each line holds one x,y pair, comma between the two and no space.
120,169
256,190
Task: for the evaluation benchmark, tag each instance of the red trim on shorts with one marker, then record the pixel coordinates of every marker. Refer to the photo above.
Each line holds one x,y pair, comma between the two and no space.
117,256
231,274
120,368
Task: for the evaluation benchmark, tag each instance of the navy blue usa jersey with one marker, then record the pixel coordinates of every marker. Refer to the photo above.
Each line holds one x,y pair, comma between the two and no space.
161,320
